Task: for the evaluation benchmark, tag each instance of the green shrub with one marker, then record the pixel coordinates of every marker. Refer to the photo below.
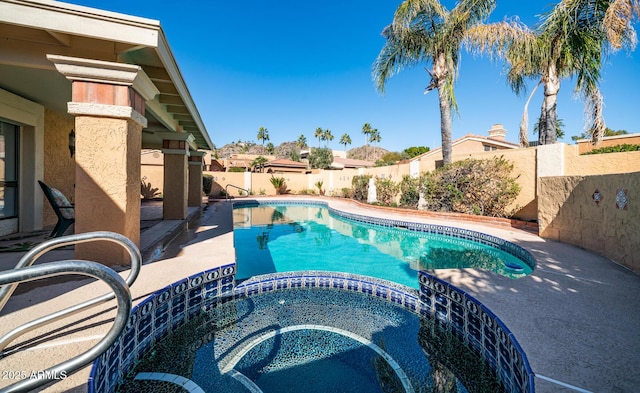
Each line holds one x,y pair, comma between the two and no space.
614,149
236,169
386,191
320,158
279,184
409,191
360,185
481,187
346,192
207,183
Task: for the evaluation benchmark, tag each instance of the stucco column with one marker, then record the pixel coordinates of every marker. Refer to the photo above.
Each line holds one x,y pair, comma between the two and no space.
108,102
195,178
175,147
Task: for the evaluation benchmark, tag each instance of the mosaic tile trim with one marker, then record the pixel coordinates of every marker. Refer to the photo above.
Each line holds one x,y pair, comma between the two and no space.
622,200
453,232
480,328
172,306
394,293
156,317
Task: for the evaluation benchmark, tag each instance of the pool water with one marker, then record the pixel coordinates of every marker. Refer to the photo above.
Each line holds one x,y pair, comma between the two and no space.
281,238
311,340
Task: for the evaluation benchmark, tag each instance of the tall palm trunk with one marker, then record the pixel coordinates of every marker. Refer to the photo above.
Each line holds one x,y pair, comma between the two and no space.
549,116
445,124
524,122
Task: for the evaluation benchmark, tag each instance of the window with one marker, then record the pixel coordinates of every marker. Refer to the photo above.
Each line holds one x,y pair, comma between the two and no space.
8,170
490,148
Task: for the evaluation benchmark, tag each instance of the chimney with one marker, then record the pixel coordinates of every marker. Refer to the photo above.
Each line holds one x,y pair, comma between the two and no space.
497,132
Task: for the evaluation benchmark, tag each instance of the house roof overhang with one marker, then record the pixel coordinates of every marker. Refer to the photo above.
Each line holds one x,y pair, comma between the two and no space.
31,30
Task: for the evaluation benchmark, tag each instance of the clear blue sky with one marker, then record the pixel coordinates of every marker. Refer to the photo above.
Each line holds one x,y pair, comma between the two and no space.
293,66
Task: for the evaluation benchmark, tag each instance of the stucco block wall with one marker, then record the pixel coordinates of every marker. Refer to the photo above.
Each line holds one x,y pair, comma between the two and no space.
152,168
568,213
599,164
59,166
631,139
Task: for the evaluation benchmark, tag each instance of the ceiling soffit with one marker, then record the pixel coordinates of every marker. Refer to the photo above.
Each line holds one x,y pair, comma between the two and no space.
29,34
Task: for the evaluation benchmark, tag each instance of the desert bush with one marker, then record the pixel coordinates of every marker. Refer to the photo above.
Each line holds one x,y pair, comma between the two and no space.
360,186
409,191
318,185
481,187
207,183
346,192
386,191
147,191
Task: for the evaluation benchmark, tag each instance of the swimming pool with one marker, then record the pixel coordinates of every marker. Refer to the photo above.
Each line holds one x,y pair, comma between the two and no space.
278,237
441,312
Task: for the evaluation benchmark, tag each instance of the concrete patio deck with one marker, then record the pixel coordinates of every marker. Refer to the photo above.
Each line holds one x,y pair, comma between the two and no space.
576,316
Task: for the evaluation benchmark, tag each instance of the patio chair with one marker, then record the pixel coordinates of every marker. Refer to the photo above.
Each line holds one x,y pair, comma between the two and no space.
61,206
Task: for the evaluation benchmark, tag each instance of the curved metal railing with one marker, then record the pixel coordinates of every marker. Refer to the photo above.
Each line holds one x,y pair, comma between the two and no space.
226,190
92,269
23,272
29,258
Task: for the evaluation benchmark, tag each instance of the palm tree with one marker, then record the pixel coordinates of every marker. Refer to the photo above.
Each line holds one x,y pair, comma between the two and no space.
327,136
345,140
270,148
366,130
572,41
258,163
263,135
375,138
302,141
424,31
318,134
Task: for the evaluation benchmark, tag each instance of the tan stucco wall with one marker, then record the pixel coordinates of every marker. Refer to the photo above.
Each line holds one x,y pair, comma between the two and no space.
631,139
108,179
152,170
568,213
599,164
59,166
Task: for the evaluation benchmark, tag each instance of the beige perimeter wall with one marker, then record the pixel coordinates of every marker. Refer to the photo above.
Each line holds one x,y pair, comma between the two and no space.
568,213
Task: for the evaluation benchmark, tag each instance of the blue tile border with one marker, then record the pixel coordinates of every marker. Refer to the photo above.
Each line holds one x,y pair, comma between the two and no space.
171,307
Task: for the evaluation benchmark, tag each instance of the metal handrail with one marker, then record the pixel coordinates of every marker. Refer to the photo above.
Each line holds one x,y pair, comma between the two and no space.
92,269
226,192
30,257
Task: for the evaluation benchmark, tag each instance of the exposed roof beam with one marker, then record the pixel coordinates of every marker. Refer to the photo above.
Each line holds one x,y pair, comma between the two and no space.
177,109
171,100
64,39
183,117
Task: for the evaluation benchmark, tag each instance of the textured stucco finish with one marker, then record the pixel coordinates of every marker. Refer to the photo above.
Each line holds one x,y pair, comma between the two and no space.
59,165
599,164
631,139
568,213
176,187
107,184
195,185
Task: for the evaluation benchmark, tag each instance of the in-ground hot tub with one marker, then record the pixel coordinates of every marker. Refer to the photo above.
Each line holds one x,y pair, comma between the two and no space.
204,333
